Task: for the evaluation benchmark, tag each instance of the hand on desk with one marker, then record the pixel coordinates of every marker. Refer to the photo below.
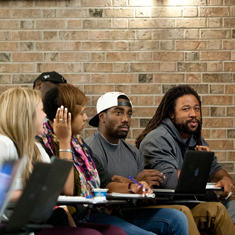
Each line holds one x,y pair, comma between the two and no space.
202,148
228,186
151,176
137,189
120,179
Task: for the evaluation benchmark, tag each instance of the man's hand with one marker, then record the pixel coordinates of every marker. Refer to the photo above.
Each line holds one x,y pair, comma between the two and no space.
152,177
120,179
228,186
202,148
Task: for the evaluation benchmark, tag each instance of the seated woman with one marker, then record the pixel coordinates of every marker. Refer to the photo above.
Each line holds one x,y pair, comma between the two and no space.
70,98
21,118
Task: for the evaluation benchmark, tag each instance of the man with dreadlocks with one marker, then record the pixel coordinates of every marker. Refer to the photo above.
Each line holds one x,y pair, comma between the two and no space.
175,128
116,159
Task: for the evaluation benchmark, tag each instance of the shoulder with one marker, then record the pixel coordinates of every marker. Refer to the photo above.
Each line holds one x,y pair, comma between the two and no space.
8,149
44,155
4,140
91,139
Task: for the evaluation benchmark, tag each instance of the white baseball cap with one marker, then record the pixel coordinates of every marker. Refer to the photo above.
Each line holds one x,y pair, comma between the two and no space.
106,101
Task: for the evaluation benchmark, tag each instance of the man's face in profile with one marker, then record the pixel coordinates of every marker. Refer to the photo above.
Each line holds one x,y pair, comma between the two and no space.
44,87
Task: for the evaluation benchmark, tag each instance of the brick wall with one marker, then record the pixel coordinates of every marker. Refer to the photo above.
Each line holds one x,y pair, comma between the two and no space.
140,47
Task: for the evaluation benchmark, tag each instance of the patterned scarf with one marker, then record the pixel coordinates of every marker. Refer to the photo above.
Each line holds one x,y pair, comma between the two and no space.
88,174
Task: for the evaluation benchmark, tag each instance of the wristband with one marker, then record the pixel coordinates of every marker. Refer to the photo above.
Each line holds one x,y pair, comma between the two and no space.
129,186
65,150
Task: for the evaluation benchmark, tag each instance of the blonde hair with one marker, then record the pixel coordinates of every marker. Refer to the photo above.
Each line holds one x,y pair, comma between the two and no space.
17,121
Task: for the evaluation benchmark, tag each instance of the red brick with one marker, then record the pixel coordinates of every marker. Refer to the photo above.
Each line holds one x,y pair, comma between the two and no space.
50,46
50,24
168,78
74,67
214,11
9,68
25,13
122,88
122,78
97,24
98,78
214,66
27,68
73,35
229,89
98,89
143,111
74,56
77,78
218,134
73,46
166,12
9,24
96,3
119,12
191,23
215,55
144,67
144,34
120,46
144,45
190,45
4,13
205,133
167,67
121,67
98,67
74,24
96,46
151,23
120,23
99,57
146,56
5,79
146,89
215,34
220,144
121,56
45,67
120,35
72,13
229,66
96,35
168,56
217,100
146,100
8,46
26,35
24,57
193,78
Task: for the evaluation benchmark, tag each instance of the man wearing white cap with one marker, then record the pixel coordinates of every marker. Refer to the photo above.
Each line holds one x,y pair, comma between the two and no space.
116,160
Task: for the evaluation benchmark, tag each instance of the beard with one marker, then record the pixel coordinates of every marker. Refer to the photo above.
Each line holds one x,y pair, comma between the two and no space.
184,127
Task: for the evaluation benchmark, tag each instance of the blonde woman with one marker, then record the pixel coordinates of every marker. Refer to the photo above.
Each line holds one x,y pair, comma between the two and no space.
21,119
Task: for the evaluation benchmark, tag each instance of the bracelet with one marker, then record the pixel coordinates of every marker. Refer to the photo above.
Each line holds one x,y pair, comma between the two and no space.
65,150
129,186
67,158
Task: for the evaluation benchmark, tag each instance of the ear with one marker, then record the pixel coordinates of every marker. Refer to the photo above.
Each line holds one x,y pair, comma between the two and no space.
102,117
38,85
172,115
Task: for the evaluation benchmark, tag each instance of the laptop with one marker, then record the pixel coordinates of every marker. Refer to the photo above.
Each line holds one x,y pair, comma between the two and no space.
39,196
9,172
194,174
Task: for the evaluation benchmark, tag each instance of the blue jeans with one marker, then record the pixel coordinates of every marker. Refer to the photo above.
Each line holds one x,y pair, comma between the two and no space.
146,221
230,206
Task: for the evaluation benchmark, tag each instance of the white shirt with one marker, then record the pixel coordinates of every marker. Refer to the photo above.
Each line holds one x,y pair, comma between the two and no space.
8,152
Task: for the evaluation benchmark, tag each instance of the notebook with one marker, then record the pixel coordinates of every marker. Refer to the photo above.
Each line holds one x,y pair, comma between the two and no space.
39,196
194,174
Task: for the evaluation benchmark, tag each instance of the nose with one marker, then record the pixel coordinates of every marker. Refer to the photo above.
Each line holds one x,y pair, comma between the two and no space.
85,117
192,113
125,118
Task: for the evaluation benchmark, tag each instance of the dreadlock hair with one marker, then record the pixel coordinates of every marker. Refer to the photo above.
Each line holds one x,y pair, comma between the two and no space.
166,107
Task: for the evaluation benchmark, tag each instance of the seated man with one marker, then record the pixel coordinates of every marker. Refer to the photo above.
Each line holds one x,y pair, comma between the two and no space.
117,159
45,81
175,128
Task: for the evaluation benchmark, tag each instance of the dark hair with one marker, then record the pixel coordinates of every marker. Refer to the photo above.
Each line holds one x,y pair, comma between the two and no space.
67,95
166,107
35,82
